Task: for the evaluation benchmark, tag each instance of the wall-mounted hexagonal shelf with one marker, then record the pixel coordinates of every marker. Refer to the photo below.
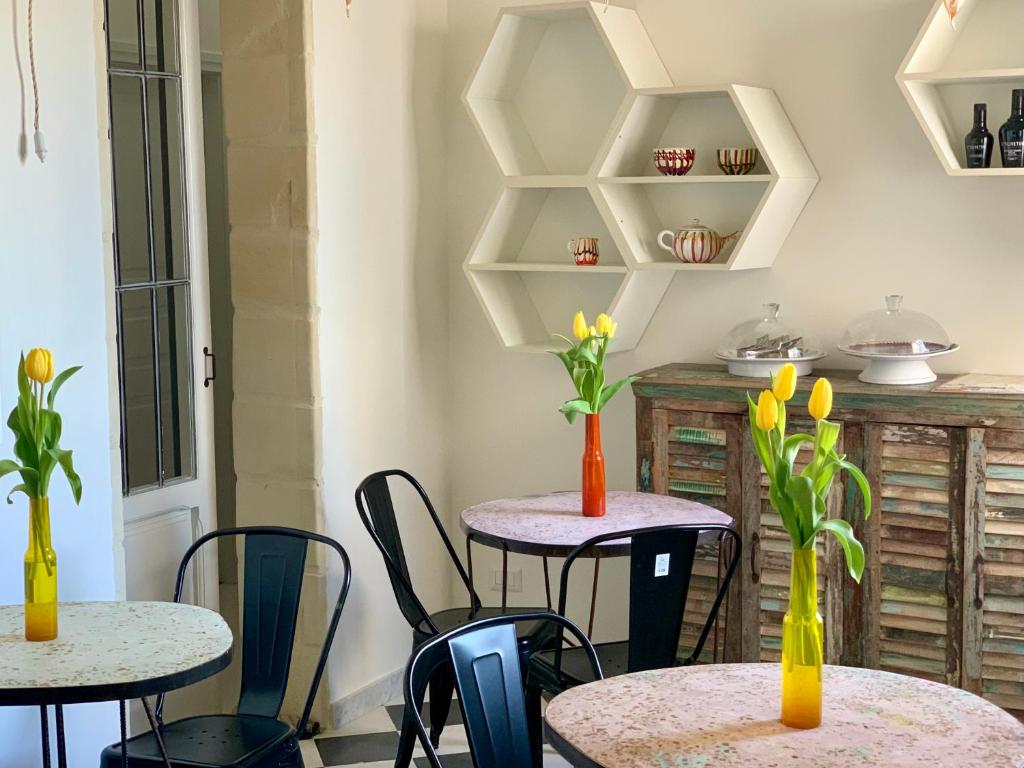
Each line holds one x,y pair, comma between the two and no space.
571,98
948,70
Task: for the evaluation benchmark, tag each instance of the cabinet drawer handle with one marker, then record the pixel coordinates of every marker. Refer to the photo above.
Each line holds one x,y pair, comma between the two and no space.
755,566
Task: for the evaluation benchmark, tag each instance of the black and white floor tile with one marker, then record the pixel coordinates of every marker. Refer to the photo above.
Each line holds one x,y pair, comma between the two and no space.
372,742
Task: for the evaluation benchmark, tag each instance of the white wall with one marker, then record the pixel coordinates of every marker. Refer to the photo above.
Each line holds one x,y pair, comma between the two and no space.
884,219
55,260
382,288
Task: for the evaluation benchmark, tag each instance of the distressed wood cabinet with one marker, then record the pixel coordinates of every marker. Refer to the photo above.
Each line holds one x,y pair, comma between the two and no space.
943,594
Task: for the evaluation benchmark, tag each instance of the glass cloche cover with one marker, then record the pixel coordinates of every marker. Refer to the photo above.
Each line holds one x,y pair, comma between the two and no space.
759,346
897,343
894,331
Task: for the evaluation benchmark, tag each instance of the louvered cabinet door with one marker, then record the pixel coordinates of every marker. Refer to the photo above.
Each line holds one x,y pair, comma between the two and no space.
914,575
697,458
770,551
994,578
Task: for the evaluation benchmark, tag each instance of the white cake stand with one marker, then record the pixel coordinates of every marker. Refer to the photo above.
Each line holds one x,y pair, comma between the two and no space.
910,368
763,367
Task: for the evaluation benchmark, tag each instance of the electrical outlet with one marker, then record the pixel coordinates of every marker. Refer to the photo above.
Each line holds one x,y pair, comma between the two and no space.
515,580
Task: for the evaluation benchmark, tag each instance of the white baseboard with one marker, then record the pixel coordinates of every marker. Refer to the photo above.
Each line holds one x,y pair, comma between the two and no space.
386,690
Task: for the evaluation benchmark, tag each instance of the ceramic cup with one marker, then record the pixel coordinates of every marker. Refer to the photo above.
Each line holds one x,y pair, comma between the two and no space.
584,251
674,161
737,161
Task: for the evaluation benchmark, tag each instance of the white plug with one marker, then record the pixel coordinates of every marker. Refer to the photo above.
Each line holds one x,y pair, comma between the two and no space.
40,142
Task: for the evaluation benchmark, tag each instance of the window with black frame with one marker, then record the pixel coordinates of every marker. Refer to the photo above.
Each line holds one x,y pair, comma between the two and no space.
151,269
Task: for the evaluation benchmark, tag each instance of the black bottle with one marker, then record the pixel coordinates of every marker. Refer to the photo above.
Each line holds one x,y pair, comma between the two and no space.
1011,135
978,143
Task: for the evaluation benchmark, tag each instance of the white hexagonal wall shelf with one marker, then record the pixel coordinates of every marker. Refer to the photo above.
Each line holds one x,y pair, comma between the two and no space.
950,69
571,98
760,207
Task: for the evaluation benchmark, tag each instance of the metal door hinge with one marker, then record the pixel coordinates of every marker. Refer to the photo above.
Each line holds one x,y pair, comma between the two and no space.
209,366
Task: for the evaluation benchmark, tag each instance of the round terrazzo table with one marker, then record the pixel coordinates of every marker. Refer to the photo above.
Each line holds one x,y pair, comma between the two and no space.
108,651
552,525
726,715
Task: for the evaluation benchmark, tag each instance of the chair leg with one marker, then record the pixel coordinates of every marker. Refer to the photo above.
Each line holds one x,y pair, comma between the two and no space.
533,722
442,685
406,742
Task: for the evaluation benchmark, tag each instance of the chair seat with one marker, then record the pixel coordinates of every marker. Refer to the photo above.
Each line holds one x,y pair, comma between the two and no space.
614,658
221,741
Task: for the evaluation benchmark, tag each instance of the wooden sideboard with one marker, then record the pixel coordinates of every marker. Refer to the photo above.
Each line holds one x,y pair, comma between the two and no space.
943,593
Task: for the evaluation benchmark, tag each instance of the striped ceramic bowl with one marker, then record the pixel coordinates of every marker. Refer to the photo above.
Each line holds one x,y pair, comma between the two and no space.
674,161
737,162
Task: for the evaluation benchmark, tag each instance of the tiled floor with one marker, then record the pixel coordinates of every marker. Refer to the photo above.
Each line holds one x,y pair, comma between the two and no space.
372,742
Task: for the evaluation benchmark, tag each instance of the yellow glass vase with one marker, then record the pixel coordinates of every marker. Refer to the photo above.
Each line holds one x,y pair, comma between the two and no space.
802,647
40,574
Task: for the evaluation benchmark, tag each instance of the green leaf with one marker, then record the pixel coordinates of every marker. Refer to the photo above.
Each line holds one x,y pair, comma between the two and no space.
47,463
58,382
7,466
586,353
828,434
784,506
761,444
862,484
19,488
823,480
24,387
611,390
572,408
67,463
852,548
780,425
805,502
791,446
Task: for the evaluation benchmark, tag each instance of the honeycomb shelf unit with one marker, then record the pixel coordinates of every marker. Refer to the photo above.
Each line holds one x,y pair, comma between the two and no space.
948,70
570,99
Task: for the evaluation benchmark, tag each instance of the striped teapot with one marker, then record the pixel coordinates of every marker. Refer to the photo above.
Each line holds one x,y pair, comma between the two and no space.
695,244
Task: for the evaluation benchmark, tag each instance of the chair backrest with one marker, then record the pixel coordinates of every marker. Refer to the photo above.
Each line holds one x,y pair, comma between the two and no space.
274,563
489,681
377,511
661,564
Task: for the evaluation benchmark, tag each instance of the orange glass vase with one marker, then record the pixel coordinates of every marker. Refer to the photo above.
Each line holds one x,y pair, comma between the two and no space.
593,469
40,575
802,647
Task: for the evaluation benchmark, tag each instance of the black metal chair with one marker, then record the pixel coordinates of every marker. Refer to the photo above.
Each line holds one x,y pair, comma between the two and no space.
377,511
661,564
484,656
275,559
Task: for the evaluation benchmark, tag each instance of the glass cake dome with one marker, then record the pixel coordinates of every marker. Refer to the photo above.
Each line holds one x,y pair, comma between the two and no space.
897,342
760,346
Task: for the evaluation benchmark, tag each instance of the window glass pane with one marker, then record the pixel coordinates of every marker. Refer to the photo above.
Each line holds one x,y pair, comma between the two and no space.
173,312
166,181
129,153
123,34
138,385
161,40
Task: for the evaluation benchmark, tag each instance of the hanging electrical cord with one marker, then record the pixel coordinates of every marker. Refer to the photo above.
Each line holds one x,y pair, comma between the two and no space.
38,138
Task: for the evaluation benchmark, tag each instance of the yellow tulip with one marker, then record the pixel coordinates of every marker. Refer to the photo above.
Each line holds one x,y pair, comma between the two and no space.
579,326
784,384
820,404
767,411
612,328
592,331
39,365
603,324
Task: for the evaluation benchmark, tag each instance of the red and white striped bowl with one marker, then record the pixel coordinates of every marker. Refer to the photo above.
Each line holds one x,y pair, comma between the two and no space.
737,162
674,161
